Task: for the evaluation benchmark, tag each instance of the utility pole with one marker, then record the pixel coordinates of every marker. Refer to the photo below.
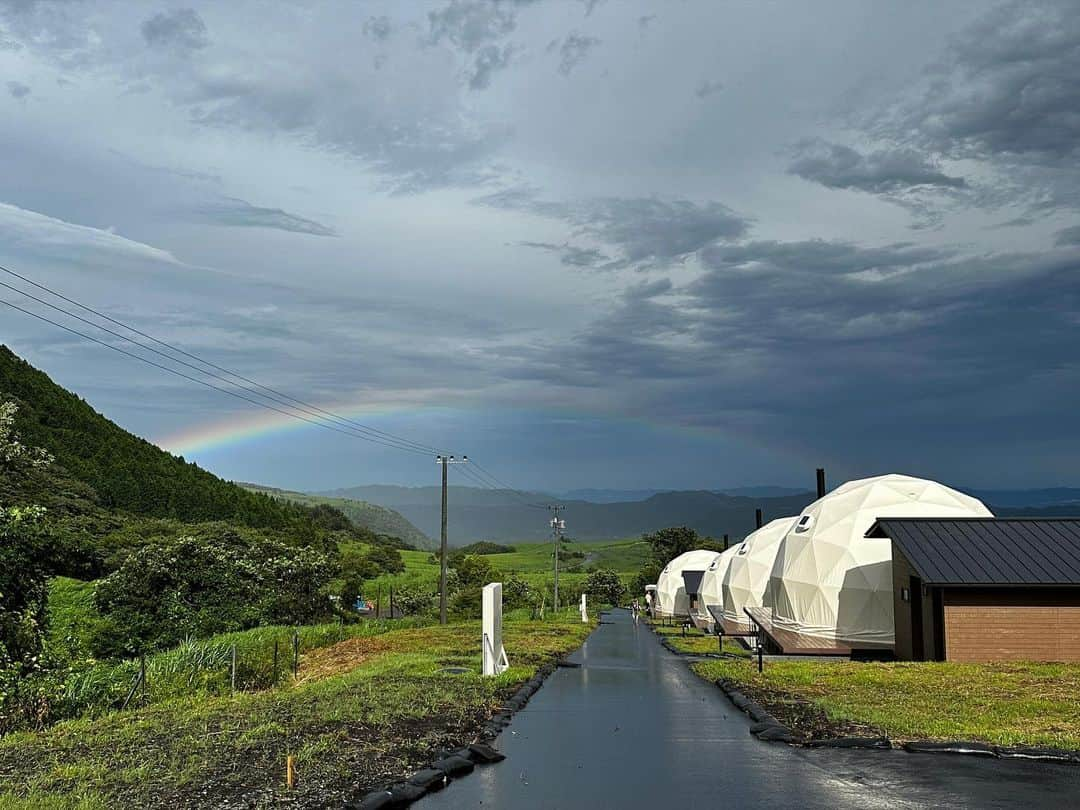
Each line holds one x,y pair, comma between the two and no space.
444,461
557,526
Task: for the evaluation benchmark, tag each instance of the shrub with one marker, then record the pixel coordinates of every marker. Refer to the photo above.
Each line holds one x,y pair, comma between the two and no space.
195,587
604,586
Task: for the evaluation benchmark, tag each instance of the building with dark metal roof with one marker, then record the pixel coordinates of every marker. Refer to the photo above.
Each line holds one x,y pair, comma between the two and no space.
983,589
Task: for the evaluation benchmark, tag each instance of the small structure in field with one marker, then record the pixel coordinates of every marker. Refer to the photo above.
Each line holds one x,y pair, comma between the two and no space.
984,589
672,599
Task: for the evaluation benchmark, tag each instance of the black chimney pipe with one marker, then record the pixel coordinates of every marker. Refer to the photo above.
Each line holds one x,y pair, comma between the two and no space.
757,517
821,482
725,542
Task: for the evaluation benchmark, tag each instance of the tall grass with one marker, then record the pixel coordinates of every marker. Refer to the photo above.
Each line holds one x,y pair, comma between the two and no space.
204,667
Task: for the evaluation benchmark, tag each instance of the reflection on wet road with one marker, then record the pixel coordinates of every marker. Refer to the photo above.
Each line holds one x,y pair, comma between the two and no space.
634,727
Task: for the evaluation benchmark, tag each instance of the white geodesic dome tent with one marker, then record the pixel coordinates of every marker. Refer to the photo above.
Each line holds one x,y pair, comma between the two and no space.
747,576
670,590
831,581
710,593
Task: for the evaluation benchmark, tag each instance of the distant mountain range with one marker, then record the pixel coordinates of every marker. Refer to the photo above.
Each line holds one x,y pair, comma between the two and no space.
504,516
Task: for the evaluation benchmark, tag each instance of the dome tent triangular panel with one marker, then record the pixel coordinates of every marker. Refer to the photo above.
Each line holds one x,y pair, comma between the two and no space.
831,581
670,589
747,576
711,588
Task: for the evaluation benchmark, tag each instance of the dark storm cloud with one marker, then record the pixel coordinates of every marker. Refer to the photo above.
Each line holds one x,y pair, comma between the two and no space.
241,214
18,89
1068,236
881,172
573,50
181,28
641,231
815,351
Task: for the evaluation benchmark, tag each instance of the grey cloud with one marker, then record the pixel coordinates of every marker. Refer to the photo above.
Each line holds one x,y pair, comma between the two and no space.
241,214
471,24
377,28
18,89
881,172
573,256
816,351
416,153
1068,236
181,28
645,21
644,231
489,59
573,50
1006,94
707,88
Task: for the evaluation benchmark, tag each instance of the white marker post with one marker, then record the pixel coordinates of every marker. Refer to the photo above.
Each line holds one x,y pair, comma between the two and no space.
494,655
584,610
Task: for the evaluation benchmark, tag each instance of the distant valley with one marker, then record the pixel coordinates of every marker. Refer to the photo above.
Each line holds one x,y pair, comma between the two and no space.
485,514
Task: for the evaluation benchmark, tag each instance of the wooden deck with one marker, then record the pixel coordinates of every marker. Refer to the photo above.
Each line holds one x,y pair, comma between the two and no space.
788,642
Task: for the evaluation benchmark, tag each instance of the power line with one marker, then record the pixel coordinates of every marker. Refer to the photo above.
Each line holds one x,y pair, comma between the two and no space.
277,396
320,417
227,381
200,382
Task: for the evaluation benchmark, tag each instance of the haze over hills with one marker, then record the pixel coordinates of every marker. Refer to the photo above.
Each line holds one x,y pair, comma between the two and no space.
478,514
379,519
504,516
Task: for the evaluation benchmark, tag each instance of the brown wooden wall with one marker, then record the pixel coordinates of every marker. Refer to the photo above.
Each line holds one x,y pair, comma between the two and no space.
1012,625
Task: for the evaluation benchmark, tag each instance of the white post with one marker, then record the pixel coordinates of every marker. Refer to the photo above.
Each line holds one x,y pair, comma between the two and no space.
584,610
493,655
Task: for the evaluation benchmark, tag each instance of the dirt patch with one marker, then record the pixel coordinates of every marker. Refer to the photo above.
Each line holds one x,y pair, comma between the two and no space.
339,658
802,715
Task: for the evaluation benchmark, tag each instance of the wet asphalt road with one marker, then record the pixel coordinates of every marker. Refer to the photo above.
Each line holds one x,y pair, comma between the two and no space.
634,727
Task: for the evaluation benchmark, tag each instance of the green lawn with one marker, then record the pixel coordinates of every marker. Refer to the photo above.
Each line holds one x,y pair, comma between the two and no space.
364,711
697,642
1000,703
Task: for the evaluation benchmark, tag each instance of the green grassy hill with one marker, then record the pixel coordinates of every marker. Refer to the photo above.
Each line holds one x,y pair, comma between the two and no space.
379,519
99,464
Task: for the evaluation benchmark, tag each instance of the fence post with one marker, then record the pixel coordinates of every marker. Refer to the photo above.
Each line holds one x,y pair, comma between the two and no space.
142,675
232,669
274,682
391,601
378,602
296,654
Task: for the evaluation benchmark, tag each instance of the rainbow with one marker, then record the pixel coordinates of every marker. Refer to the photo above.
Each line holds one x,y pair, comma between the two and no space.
248,427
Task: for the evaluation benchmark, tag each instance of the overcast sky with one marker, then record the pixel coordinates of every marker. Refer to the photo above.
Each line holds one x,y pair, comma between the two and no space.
592,244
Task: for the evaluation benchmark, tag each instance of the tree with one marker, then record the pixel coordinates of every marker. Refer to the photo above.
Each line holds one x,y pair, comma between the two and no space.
387,559
473,571
669,543
25,566
16,457
604,586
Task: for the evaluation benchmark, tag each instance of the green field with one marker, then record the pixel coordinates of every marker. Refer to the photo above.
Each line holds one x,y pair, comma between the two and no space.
531,562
